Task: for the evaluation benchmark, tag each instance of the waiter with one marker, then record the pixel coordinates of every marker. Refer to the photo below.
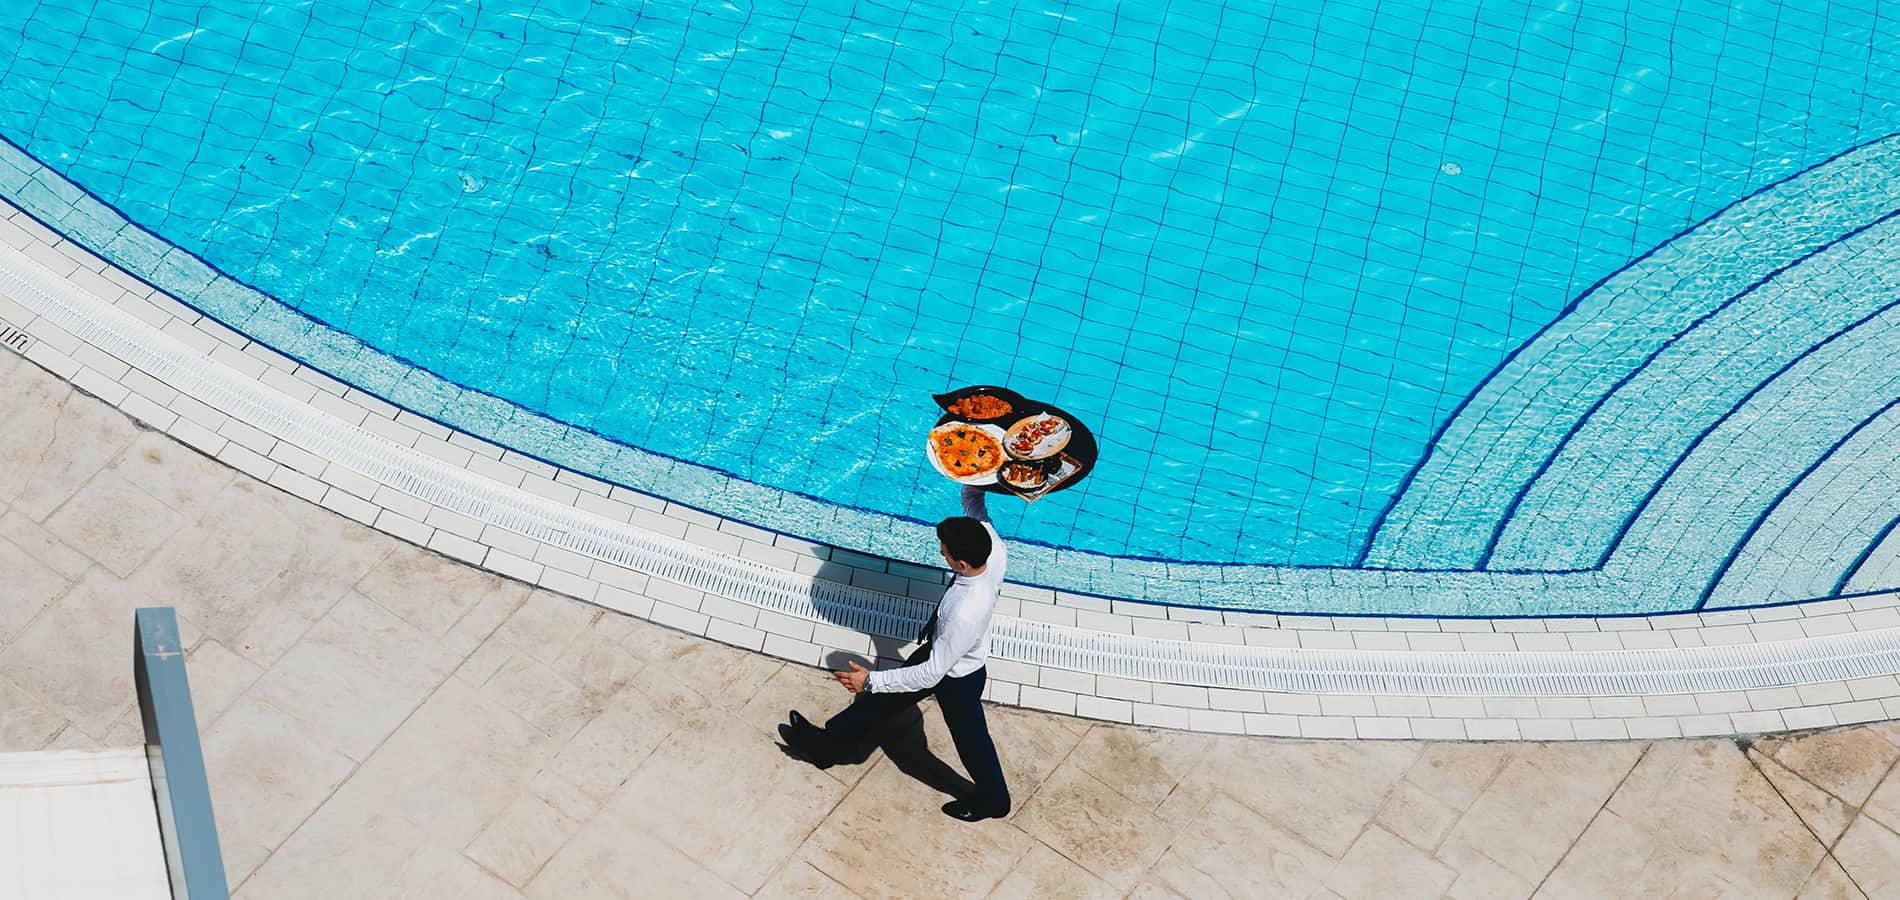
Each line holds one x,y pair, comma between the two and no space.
958,641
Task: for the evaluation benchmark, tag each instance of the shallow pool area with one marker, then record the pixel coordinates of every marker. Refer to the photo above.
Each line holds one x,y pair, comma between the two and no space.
1365,318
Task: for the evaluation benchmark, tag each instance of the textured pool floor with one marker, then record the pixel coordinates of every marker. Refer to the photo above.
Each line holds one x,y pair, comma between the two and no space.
1267,264
1698,428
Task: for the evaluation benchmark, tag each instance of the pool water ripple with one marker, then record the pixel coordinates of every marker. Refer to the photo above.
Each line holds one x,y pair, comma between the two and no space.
1266,250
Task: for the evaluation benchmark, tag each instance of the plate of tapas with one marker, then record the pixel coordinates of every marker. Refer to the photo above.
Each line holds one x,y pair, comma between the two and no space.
1037,437
1024,475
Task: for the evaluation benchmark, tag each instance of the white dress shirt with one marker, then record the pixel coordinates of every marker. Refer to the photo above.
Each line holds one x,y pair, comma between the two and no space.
962,644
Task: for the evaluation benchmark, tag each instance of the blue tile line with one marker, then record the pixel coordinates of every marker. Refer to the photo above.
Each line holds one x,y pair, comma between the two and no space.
1451,421
1663,139
1754,526
1570,510
401,366
1766,383
1251,607
368,357
314,352
707,133
1840,587
1701,511
1517,499
1798,551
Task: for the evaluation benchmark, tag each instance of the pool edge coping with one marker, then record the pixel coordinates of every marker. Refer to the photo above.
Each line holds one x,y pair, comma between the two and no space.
529,441
1324,711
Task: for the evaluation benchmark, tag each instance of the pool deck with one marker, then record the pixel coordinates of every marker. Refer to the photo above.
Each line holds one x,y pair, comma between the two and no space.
382,720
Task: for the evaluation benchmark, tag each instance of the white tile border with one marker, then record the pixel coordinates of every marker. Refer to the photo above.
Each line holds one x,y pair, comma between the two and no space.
1312,676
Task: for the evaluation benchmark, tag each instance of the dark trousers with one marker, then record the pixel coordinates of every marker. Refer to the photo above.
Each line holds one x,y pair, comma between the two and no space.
961,700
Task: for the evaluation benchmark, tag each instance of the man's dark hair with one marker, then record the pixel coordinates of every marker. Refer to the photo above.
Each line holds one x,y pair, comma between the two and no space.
966,539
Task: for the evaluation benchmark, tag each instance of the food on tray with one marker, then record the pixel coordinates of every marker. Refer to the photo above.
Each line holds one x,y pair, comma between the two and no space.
1065,467
990,437
1038,437
981,406
965,451
1023,475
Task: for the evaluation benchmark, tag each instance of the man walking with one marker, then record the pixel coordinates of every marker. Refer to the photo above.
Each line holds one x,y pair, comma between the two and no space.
958,641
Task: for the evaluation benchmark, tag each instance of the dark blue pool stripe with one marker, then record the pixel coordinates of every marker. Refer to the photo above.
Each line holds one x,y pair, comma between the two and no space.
1866,553
1656,488
1400,615
534,454
189,303
1735,552
1431,448
1517,499
531,454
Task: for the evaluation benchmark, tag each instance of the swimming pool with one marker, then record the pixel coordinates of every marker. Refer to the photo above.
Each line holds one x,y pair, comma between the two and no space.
1271,263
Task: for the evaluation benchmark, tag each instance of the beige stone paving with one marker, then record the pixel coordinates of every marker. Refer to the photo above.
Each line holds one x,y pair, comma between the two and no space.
381,722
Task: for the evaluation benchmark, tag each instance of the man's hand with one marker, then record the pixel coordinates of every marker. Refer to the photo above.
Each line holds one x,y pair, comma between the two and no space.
855,680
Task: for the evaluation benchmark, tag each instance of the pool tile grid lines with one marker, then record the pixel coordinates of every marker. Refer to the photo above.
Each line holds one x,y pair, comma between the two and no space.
1845,491
407,434
1066,620
881,159
1368,589
50,198
1798,421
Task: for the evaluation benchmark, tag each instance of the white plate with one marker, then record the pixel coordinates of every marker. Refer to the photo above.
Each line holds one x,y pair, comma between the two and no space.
1048,446
930,450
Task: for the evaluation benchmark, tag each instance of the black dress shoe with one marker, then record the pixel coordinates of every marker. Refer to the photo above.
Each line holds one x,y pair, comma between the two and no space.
963,811
805,741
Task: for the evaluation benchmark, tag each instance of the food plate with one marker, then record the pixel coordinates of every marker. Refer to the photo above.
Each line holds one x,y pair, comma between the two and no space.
1064,467
982,406
1024,475
967,454
1037,437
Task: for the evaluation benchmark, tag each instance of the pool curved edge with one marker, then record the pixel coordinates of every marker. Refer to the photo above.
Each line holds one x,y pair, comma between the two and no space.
1740,671
542,447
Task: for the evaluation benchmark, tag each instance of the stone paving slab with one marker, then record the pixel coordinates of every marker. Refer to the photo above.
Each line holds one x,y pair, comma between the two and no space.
384,721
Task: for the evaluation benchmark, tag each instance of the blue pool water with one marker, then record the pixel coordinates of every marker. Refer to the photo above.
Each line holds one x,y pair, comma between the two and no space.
1265,248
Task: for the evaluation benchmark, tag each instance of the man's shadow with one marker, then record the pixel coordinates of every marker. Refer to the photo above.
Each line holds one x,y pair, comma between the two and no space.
901,737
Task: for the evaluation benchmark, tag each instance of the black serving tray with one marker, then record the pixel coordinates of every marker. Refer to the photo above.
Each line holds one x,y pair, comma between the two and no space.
1080,452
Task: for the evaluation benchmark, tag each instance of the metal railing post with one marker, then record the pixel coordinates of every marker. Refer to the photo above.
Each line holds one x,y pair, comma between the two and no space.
172,750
